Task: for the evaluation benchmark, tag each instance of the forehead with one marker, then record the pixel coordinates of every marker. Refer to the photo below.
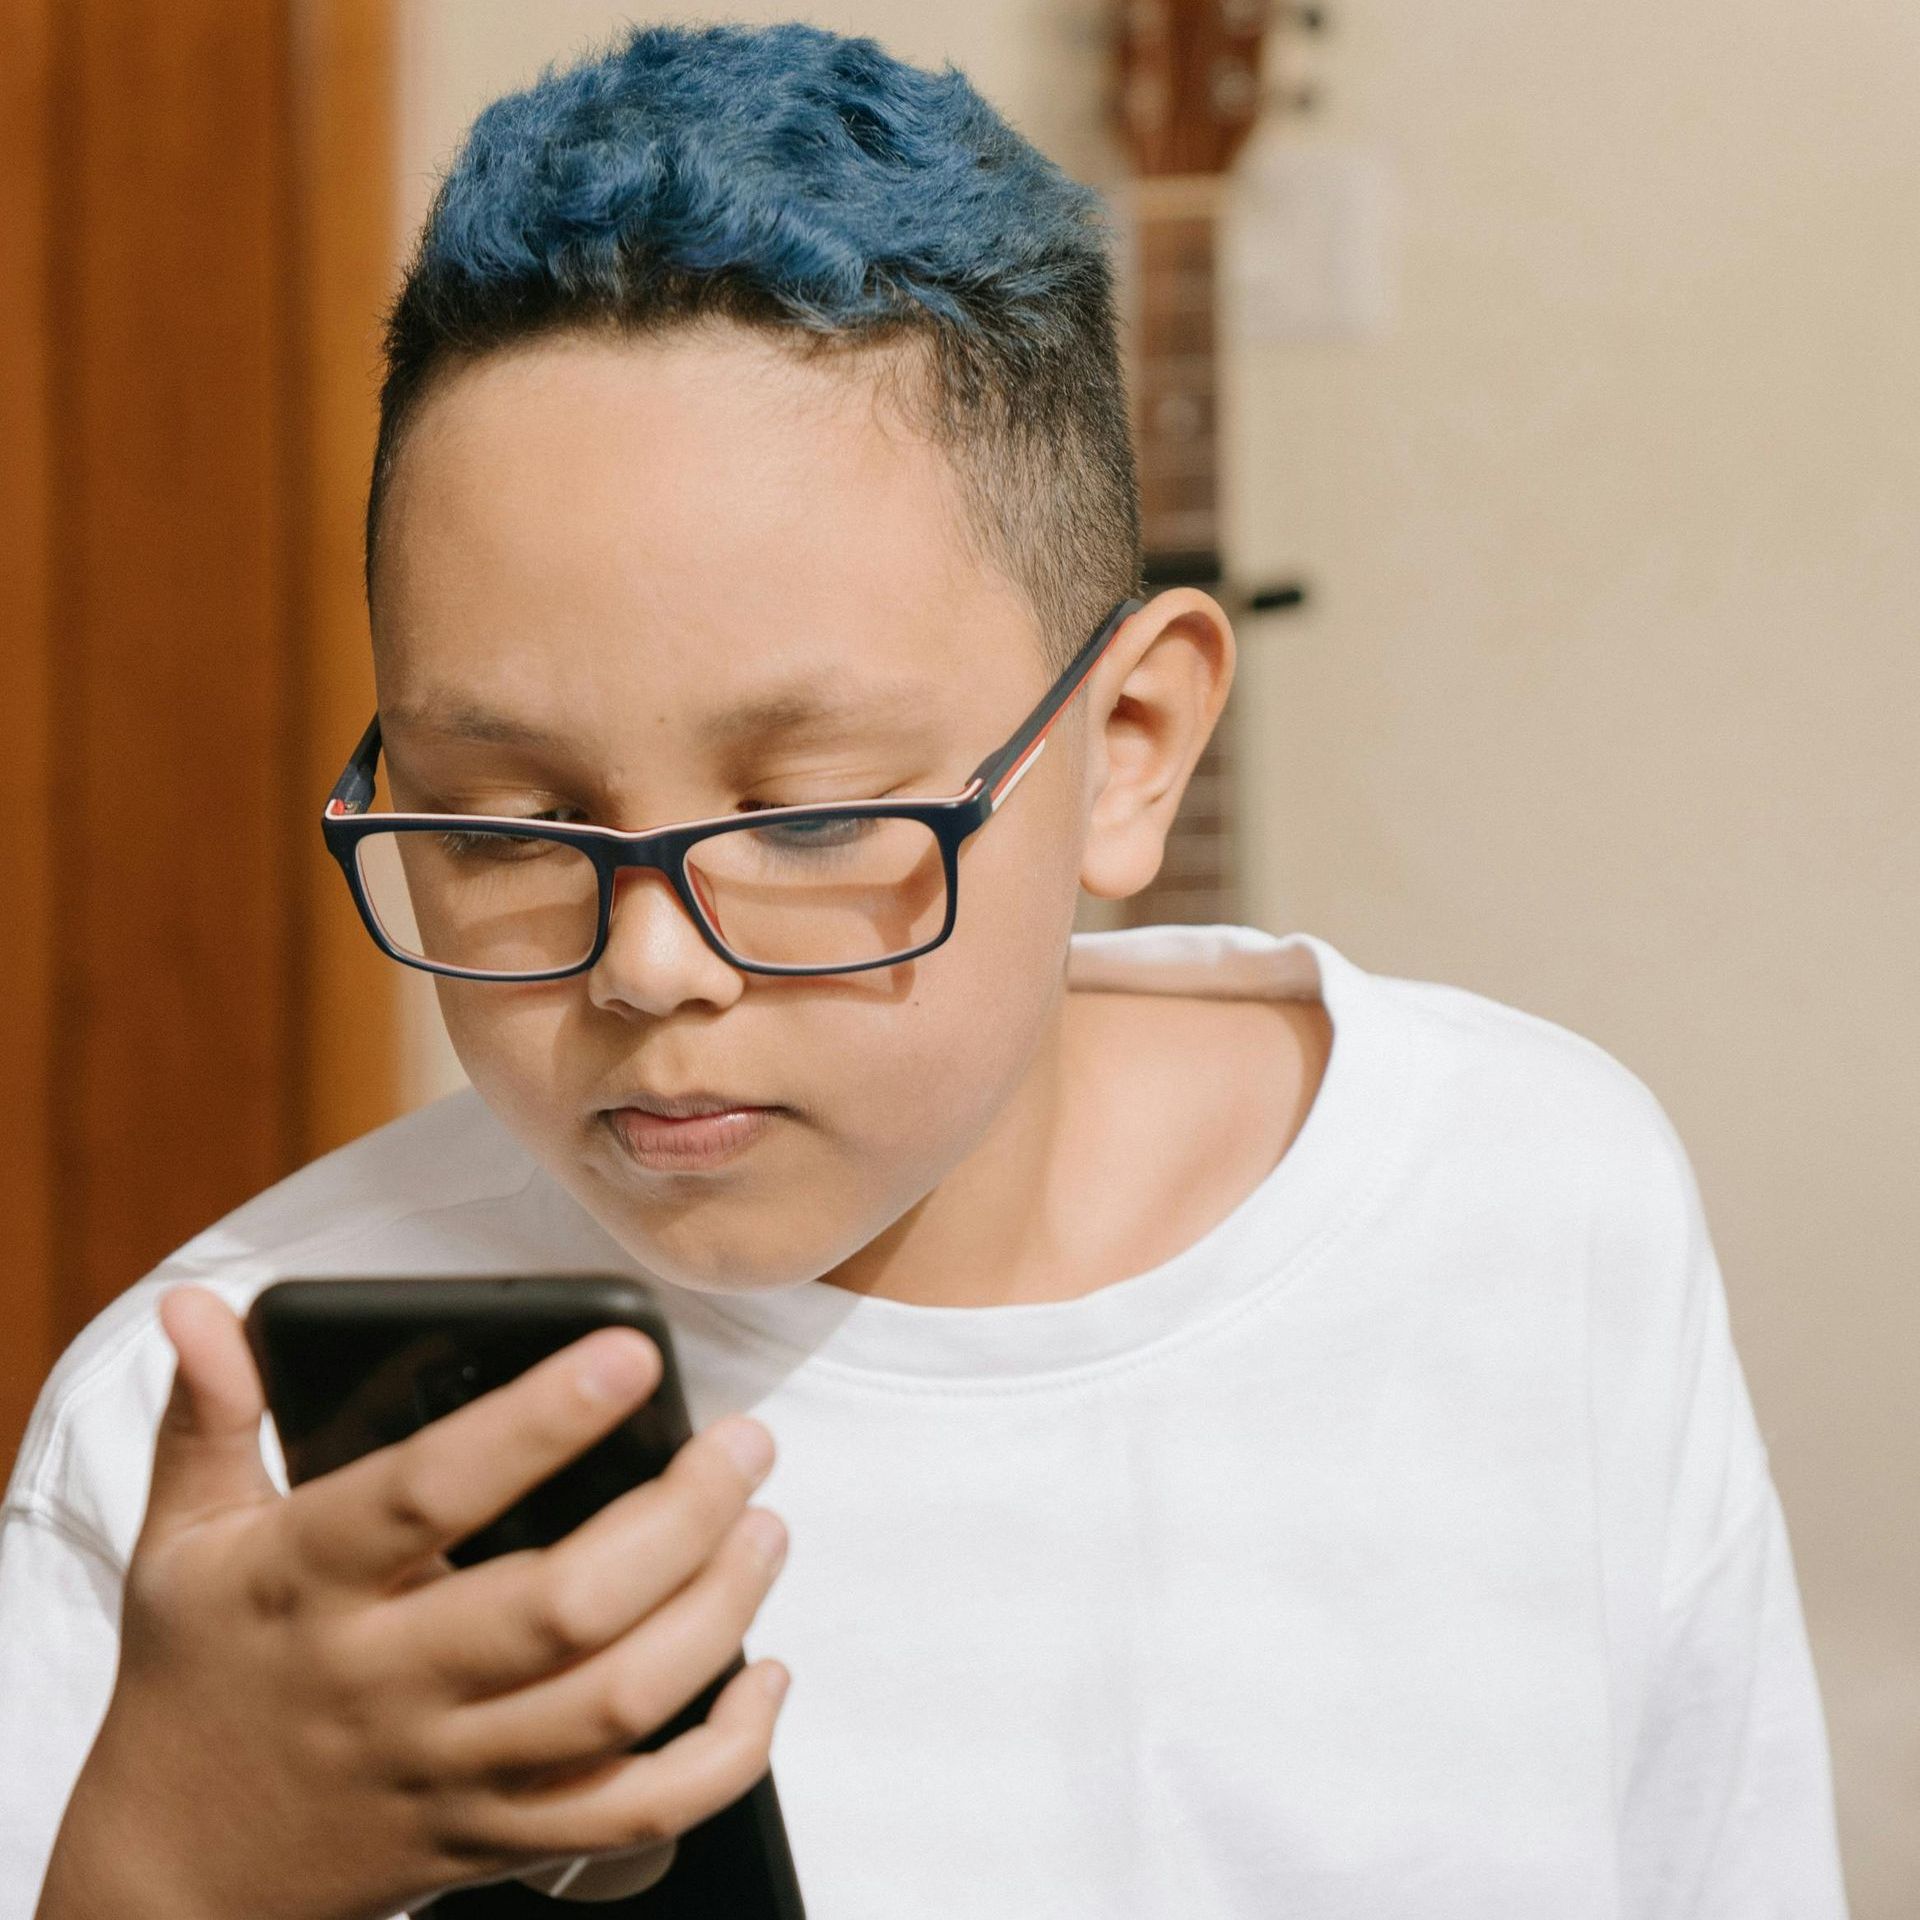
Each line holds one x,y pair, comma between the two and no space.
703,527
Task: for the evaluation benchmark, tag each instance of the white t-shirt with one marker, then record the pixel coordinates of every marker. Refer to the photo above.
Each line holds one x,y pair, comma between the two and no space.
1403,1549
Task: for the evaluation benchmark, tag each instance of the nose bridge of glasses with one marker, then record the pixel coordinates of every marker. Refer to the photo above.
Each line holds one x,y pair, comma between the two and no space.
628,878
631,874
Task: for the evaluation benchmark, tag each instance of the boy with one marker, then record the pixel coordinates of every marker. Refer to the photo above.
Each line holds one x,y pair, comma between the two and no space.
1258,1437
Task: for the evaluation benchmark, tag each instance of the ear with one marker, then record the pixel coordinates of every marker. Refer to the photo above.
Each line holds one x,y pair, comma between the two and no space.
1152,708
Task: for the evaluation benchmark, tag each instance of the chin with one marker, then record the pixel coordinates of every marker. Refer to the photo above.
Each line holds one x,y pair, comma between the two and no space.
701,1255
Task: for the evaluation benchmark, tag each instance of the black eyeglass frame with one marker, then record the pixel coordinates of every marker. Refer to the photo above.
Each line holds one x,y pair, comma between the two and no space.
953,820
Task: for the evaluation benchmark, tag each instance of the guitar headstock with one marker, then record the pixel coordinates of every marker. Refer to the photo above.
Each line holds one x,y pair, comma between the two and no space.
1187,81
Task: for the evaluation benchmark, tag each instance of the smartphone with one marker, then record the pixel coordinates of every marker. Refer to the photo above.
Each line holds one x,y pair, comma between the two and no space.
352,1365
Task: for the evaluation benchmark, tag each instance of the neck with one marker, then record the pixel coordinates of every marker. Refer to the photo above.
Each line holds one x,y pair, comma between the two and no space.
1002,1228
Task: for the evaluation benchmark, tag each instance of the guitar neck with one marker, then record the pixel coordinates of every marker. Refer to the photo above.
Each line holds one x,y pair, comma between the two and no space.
1176,393
1176,425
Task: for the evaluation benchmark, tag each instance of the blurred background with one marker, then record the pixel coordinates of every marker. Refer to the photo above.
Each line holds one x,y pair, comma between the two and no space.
1561,399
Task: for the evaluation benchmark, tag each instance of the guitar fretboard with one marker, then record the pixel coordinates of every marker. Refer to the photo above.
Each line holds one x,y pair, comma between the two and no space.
1176,404
1176,421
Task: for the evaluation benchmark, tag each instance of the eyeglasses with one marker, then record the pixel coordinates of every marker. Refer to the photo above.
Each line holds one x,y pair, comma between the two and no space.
783,890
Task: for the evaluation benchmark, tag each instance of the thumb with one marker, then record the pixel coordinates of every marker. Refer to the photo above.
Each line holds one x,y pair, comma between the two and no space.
206,1453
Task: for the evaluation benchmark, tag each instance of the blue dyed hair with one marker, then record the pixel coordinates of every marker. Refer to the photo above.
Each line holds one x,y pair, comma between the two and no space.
793,179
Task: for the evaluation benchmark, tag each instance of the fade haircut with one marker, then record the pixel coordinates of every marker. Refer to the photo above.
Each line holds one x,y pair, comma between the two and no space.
792,179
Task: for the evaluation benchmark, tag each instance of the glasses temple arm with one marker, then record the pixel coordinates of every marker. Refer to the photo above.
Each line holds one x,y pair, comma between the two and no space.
353,791
1027,742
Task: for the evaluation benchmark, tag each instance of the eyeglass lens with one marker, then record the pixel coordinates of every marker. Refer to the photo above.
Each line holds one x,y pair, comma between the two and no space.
820,893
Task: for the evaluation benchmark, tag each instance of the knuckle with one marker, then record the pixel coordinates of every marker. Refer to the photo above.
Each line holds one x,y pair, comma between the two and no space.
707,1616
566,1614
644,1694
410,1499
411,1761
633,1707
435,1764
752,1755
739,1756
661,1809
648,1827
688,1519
273,1591
691,1533
463,1841
346,1665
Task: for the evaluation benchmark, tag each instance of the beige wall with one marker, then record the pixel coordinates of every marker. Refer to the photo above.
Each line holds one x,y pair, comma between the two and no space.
1608,701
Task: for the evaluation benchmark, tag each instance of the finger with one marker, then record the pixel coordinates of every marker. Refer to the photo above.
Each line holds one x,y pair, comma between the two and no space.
514,1619
206,1453
375,1519
641,1800
604,1705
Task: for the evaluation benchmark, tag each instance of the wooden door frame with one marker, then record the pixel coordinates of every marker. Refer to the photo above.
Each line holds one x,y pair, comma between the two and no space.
196,240
31,1317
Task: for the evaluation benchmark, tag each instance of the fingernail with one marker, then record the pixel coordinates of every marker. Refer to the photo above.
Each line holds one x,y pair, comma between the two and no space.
614,1366
773,1681
748,1445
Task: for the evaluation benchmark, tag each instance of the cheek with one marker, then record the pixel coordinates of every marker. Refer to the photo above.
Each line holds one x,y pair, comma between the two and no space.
960,1042
507,1040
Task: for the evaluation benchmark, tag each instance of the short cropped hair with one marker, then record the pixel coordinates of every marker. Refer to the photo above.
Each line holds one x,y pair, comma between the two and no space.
793,179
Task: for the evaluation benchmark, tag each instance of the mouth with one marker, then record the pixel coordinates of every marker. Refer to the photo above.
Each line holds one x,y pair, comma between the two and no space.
663,1143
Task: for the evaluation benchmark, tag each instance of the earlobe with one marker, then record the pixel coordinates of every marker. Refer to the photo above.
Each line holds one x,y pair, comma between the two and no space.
1174,677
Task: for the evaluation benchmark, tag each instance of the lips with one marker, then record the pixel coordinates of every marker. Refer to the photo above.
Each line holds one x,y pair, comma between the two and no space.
687,1145
683,1106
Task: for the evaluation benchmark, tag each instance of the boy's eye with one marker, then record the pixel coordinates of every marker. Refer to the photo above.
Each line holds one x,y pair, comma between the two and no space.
456,842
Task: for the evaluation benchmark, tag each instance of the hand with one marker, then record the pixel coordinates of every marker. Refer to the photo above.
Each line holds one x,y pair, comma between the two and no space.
316,1716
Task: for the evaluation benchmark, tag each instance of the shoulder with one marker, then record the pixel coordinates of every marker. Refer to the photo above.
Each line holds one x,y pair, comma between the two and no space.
1545,1199
443,1189
1527,1148
1530,1099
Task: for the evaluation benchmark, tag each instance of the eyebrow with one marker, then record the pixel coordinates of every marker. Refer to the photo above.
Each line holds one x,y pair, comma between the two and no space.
805,709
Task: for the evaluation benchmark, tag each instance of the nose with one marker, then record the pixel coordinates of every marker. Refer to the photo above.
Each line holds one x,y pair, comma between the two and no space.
656,958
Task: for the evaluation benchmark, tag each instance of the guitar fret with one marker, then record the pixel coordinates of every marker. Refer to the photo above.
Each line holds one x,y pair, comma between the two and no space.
1195,289
1173,493
1186,459
1195,530
1174,336
1181,417
1162,197
1191,239
1197,367
1203,796
1198,864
